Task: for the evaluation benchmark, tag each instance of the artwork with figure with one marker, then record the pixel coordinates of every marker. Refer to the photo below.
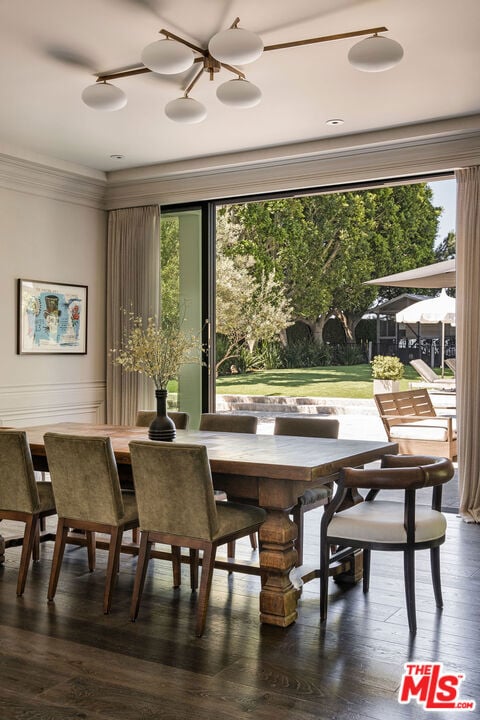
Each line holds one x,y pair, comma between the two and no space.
52,317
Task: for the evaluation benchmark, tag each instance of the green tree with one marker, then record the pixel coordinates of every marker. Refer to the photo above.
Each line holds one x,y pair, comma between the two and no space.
248,309
447,249
322,248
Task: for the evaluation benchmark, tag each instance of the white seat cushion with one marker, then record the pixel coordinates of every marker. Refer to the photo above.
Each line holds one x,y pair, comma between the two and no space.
430,429
381,521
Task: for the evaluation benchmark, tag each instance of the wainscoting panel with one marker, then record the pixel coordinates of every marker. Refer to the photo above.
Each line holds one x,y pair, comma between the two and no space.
63,402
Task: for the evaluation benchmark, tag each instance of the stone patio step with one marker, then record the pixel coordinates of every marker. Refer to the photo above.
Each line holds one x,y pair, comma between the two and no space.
301,405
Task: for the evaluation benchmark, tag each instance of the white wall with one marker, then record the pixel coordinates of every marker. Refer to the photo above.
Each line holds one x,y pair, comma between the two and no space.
52,227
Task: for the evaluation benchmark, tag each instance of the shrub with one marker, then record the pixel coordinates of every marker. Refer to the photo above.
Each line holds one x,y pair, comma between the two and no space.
387,367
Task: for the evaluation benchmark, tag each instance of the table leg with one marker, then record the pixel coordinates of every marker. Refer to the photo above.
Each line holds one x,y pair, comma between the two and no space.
2,549
278,597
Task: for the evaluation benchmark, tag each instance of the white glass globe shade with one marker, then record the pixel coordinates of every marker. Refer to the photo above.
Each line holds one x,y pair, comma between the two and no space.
236,46
239,93
185,110
104,96
375,54
167,57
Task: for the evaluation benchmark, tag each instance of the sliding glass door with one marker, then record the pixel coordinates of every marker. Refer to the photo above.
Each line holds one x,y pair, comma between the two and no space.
184,295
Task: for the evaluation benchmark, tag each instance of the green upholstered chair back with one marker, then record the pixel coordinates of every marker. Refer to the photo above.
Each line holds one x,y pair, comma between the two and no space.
306,427
84,477
145,418
18,489
216,422
174,490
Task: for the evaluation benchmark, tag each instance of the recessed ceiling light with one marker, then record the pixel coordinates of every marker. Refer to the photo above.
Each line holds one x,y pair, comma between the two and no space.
117,157
335,121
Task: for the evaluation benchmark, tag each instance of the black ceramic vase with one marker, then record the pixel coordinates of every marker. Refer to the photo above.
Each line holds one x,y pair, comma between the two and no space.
162,427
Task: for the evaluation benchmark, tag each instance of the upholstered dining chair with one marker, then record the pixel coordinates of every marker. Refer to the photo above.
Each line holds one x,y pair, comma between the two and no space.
88,497
315,497
162,471
145,418
216,422
386,525
22,499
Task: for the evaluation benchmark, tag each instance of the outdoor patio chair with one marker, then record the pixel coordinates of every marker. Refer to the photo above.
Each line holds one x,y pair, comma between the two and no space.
430,377
384,525
452,364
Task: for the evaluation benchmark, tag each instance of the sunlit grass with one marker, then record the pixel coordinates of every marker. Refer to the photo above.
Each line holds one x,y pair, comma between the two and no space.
346,381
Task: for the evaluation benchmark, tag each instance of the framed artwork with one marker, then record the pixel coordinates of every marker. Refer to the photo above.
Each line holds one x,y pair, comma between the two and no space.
52,318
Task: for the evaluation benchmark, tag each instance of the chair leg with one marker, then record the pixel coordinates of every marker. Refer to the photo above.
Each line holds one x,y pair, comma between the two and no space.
90,538
324,575
60,540
36,543
409,572
231,549
194,562
298,520
436,580
208,562
253,540
135,535
116,535
31,529
176,565
366,569
140,575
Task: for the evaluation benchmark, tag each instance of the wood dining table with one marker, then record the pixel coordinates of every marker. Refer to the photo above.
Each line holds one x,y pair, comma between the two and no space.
270,471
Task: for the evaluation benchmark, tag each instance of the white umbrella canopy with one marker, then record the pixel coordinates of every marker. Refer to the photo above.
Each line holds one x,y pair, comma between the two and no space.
438,275
440,309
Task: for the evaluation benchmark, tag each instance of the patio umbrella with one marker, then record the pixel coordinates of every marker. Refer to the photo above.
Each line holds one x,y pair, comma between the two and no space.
438,275
439,309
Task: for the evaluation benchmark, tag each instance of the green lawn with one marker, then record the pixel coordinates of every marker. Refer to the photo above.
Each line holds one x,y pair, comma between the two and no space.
347,381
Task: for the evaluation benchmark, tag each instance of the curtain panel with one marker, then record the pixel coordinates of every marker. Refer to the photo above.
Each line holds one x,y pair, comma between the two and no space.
468,340
133,285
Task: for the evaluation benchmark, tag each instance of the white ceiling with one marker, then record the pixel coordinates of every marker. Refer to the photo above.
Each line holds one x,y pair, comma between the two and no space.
50,50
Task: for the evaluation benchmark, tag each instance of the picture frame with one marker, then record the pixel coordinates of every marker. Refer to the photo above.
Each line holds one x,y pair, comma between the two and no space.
51,318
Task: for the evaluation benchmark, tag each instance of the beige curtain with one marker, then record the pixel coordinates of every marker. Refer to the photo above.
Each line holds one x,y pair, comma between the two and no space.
468,340
133,284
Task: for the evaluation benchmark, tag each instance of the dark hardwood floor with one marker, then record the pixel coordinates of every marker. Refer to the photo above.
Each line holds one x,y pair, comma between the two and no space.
66,660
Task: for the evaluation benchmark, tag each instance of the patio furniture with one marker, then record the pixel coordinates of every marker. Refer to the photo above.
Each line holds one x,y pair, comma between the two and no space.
21,498
162,471
410,420
452,364
390,526
311,498
88,497
430,377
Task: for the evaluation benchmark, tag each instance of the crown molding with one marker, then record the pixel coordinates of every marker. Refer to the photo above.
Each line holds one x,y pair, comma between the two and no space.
395,152
37,178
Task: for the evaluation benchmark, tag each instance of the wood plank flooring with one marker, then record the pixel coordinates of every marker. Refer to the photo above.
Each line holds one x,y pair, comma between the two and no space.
66,660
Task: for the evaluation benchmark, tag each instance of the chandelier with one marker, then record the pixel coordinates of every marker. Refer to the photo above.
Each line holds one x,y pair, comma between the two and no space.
227,49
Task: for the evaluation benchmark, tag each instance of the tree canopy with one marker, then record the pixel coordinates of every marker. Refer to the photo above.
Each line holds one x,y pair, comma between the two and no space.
321,248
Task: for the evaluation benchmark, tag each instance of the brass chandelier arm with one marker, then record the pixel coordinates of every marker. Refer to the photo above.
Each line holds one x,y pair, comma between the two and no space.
103,77
179,39
233,70
194,82
325,38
